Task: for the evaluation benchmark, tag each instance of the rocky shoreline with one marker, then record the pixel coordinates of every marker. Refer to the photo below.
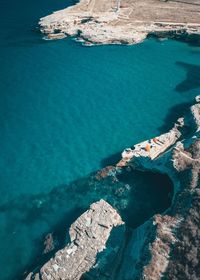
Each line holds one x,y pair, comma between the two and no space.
123,21
165,245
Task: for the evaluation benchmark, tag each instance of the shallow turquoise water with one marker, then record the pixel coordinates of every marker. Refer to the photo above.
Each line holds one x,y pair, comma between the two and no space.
64,107
66,110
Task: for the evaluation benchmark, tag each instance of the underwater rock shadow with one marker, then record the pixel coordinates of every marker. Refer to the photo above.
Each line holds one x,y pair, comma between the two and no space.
111,160
131,215
29,218
33,38
193,40
173,114
135,198
27,32
150,193
192,80
60,238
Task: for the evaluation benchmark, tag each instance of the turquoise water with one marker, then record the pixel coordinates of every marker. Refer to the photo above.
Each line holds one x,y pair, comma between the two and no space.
64,107
68,110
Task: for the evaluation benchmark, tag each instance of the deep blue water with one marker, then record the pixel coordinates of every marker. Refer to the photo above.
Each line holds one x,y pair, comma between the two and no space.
66,111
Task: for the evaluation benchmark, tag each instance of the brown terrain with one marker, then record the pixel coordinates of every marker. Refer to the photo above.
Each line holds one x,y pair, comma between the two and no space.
123,21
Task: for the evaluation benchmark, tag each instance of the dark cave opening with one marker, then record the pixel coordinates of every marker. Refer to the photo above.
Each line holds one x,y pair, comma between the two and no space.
150,193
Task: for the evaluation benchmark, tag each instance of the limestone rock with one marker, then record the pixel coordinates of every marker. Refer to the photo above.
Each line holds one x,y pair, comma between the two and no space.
123,22
197,98
89,234
195,111
144,252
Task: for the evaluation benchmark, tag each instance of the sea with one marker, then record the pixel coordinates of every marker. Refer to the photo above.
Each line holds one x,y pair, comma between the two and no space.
66,111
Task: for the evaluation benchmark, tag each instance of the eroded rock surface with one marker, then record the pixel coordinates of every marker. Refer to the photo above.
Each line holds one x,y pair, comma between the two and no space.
184,261
167,245
175,234
89,234
152,153
123,21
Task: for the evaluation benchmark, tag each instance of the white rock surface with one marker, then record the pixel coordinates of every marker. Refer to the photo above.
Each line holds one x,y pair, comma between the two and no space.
127,21
89,234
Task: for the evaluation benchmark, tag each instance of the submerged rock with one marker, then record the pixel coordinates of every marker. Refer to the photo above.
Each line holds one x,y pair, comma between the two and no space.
50,243
103,247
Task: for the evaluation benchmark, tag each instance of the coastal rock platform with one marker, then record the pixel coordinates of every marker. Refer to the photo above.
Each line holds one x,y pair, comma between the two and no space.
104,247
89,234
123,21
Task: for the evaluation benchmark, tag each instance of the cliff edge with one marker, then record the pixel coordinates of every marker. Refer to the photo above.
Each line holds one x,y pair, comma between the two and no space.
167,245
88,234
123,21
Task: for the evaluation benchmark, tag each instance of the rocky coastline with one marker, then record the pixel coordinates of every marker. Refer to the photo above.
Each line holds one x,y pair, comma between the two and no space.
123,21
165,246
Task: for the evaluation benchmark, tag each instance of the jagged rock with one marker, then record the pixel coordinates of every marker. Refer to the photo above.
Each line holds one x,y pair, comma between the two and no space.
89,234
145,252
195,111
146,153
105,172
161,246
123,22
181,161
50,243
152,148
197,98
184,261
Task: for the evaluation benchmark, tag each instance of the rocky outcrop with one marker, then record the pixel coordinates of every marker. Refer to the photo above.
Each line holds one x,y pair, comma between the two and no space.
149,250
126,22
178,155
185,256
154,153
103,247
88,234
150,149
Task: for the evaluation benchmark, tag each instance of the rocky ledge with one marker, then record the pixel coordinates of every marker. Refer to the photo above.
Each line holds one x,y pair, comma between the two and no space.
167,246
123,21
171,250
88,234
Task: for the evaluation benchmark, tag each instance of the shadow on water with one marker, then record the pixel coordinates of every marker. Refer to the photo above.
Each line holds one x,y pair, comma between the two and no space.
150,193
111,160
136,195
192,80
193,40
173,114
20,24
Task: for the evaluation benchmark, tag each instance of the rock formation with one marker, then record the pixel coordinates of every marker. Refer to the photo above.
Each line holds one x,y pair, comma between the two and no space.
123,21
89,234
176,153
165,246
184,261
49,243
